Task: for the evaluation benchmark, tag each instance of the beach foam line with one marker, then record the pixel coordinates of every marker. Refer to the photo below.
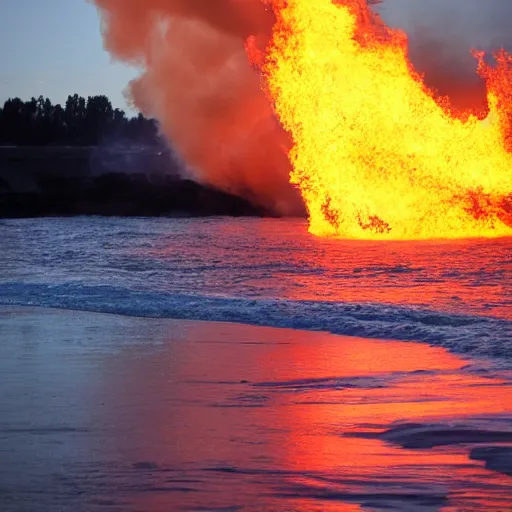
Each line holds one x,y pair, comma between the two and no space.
464,334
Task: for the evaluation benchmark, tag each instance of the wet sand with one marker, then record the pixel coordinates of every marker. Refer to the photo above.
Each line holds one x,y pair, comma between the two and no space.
108,413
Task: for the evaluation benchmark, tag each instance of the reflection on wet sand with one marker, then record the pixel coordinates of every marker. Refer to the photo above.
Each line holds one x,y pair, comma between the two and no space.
162,415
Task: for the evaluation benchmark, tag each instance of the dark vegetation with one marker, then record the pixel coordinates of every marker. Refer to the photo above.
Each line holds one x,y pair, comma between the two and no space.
81,122
118,194
87,158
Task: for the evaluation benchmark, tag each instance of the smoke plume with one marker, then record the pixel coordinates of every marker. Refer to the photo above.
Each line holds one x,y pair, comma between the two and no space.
441,36
197,81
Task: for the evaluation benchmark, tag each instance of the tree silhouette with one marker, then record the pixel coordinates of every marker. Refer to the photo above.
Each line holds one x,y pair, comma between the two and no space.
81,122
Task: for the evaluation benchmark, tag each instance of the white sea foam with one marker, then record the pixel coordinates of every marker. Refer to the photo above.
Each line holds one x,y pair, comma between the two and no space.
265,272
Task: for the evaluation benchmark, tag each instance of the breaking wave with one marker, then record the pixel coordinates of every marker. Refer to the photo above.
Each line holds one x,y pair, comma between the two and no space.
464,334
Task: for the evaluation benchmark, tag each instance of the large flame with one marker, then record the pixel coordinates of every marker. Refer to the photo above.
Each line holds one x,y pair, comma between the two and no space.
376,154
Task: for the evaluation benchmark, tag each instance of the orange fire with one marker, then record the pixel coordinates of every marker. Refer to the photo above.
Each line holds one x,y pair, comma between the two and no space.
376,155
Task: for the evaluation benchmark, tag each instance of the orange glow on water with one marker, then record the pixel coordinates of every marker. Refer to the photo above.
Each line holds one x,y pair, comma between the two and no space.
254,398
376,155
183,415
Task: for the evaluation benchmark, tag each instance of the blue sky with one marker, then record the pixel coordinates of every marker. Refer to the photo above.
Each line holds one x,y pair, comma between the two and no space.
54,47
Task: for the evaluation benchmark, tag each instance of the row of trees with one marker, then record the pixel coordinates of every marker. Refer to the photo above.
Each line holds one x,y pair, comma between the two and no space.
83,122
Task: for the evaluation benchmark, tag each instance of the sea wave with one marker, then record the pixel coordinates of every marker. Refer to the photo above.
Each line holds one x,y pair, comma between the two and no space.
463,334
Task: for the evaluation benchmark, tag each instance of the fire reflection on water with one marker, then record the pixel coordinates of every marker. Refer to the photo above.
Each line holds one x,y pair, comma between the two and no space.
276,420
279,259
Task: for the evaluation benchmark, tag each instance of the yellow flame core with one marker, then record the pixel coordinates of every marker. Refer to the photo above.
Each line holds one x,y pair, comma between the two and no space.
375,156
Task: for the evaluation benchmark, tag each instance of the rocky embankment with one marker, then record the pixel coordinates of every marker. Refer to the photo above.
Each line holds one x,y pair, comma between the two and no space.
60,181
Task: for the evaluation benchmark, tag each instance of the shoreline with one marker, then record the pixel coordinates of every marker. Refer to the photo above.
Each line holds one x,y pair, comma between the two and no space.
110,412
398,322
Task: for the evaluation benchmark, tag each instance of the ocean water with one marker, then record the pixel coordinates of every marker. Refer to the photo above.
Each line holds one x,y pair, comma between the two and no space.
268,272
144,410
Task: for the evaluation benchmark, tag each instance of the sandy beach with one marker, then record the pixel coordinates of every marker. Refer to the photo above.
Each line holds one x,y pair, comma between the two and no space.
104,412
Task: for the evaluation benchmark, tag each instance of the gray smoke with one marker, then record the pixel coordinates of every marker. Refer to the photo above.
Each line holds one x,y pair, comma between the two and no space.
442,34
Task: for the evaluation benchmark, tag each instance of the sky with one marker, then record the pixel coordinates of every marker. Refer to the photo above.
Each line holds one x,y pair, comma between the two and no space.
54,47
